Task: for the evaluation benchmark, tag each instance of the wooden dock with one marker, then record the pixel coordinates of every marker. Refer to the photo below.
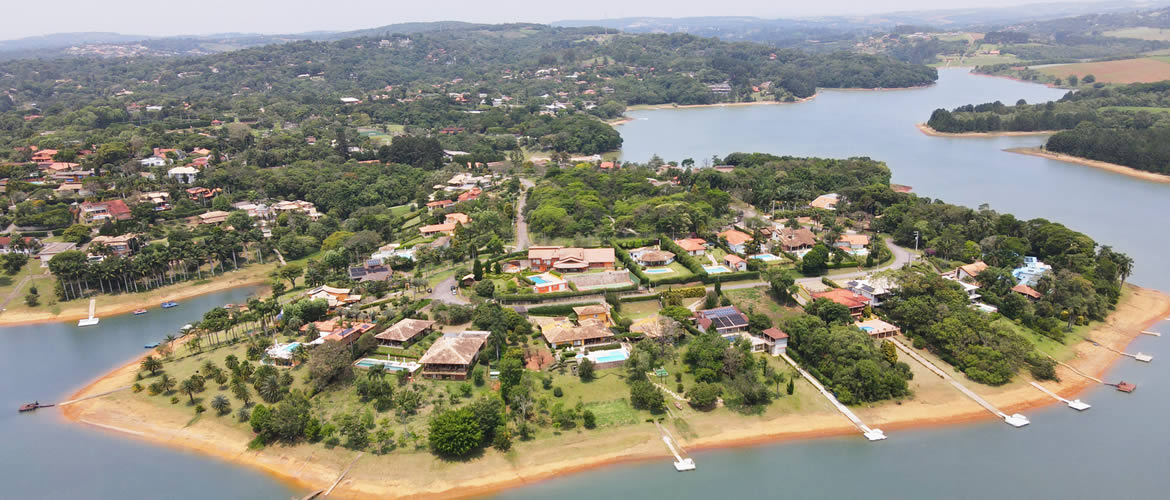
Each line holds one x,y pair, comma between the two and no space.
681,464
1014,420
1075,404
869,433
1140,356
343,473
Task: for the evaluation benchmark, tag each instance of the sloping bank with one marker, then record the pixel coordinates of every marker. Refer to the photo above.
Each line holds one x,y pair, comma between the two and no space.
415,474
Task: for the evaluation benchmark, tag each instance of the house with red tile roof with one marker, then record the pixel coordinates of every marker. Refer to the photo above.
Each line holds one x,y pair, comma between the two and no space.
856,303
1027,291
736,240
692,246
470,195
100,211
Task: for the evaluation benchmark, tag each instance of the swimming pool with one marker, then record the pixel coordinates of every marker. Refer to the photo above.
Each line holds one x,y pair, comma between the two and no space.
766,257
658,270
716,269
537,280
391,366
867,329
609,356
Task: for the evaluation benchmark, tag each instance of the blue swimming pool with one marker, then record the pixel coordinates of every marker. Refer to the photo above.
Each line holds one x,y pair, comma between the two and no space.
611,357
537,279
766,257
716,269
370,362
658,270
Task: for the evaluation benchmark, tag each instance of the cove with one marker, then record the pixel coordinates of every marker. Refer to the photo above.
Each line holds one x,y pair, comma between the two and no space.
44,456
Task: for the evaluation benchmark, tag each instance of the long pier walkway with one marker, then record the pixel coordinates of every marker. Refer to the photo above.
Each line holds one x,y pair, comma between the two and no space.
1075,404
1015,420
869,433
1140,356
680,463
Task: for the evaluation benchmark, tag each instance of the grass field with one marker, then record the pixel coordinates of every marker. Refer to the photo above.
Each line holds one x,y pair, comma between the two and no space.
758,300
1141,33
1148,109
1140,70
679,271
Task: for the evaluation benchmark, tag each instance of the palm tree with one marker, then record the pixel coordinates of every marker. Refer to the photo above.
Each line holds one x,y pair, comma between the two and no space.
269,388
166,383
151,364
231,362
221,405
240,390
190,386
378,371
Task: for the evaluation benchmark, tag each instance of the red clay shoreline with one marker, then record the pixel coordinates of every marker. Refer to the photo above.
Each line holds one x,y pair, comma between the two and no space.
71,413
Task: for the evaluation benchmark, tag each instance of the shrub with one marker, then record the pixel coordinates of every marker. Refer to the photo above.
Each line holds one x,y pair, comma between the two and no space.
590,420
704,396
558,392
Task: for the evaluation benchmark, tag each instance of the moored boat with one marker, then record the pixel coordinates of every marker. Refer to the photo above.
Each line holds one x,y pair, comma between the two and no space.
150,346
139,312
169,304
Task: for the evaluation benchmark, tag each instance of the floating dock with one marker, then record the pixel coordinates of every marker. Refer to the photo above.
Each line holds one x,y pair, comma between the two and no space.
1014,420
1075,404
869,433
1148,332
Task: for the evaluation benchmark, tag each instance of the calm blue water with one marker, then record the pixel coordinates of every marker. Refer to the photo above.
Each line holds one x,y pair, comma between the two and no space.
43,456
1117,449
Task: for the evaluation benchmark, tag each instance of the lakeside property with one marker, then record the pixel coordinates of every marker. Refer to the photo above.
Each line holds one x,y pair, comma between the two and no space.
316,467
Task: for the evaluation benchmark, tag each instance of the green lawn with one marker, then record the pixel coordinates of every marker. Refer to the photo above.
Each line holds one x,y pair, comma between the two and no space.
641,309
759,300
1141,33
679,271
400,210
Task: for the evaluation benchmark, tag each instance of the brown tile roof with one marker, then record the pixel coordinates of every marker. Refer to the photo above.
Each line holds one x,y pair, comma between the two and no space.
405,330
797,238
775,334
1023,289
735,237
590,310
455,348
733,259
691,244
587,330
974,268
844,297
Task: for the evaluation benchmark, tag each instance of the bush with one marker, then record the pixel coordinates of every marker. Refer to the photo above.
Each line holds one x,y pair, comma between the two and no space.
455,433
558,392
584,370
644,396
590,420
704,396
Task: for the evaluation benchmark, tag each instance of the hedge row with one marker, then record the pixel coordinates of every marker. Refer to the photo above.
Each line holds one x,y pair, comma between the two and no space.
684,293
736,276
640,298
628,261
557,309
830,282
539,297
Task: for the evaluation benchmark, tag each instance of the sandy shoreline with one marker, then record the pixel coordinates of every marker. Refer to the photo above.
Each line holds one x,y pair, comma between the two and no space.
126,303
314,468
926,129
1112,167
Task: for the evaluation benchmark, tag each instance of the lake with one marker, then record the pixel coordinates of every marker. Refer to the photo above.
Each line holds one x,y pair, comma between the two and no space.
1114,449
45,456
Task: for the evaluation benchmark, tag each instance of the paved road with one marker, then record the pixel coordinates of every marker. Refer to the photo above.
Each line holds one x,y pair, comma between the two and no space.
901,257
522,239
442,293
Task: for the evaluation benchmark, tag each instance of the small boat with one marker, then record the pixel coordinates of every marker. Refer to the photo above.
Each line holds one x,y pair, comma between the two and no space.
32,406
150,346
169,304
229,306
1126,386
139,312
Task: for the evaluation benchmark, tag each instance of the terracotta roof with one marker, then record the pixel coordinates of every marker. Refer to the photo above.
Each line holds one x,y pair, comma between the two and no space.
796,238
455,348
656,256
440,203
405,330
583,255
974,268
456,218
844,297
1023,289
557,333
735,237
691,244
775,334
590,310
437,228
825,201
854,239
733,259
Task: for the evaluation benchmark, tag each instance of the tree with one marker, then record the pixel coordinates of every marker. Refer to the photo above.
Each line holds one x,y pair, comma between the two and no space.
455,433
585,370
1088,79
290,273
221,405
190,386
589,419
151,364
77,233
166,383
704,396
485,289
328,363
477,270
269,388
644,396
240,391
889,352
1072,80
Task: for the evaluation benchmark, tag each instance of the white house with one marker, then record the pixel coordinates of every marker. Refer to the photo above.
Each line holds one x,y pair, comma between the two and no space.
777,341
1030,273
185,175
874,289
154,161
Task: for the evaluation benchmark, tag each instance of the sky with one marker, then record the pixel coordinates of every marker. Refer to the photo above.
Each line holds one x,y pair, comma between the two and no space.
171,17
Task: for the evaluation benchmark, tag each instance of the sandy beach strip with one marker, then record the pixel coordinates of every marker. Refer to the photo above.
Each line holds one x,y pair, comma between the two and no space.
1112,167
113,305
926,129
314,468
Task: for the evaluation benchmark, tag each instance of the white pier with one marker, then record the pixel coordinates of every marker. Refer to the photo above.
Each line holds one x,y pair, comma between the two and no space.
1075,404
680,464
90,321
869,433
1140,356
1148,332
1014,420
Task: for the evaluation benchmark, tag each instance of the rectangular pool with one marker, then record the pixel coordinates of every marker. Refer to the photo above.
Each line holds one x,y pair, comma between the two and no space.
537,279
766,257
658,270
609,356
716,269
391,366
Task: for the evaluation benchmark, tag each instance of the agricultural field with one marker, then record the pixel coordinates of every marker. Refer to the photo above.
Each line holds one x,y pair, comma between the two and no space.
1140,70
1141,33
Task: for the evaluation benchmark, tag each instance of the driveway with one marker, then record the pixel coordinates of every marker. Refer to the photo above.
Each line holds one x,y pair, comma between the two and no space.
522,239
442,293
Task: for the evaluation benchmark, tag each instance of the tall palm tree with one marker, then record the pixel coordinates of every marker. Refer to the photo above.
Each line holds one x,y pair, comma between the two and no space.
269,388
190,386
151,364
166,383
220,404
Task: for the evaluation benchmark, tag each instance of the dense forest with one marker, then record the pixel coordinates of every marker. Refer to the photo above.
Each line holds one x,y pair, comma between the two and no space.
1124,124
